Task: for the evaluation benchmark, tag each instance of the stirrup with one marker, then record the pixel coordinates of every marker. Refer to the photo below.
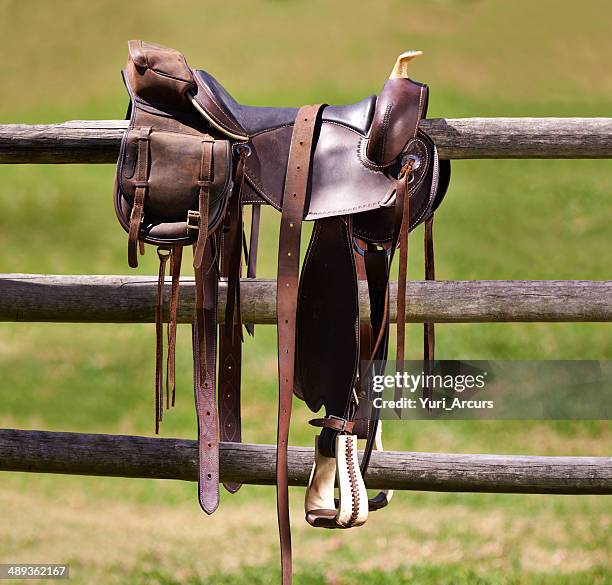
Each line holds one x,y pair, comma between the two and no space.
319,504
383,497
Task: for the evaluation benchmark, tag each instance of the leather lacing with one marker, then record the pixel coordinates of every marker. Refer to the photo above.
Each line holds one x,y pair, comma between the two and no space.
354,487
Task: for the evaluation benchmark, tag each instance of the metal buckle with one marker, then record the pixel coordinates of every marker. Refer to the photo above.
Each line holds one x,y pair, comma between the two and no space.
193,221
344,421
242,150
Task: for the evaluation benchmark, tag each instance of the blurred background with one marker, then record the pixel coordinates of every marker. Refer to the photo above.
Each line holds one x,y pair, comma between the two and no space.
501,220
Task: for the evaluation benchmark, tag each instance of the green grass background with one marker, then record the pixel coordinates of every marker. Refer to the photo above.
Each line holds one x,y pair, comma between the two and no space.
501,220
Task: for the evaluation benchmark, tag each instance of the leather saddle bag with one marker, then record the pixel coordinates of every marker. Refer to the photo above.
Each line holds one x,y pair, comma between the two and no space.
170,165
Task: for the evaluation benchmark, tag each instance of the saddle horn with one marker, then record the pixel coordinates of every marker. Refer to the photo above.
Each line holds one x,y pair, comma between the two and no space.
399,108
400,69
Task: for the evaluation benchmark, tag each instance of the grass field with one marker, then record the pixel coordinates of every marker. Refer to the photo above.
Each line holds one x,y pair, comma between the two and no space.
504,219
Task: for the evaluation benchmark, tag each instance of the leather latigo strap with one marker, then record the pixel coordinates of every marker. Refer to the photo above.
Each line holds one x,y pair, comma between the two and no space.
230,348
294,202
205,328
402,207
417,110
230,336
430,274
402,212
429,339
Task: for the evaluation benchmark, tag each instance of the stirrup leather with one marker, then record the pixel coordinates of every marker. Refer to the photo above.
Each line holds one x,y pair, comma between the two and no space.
320,505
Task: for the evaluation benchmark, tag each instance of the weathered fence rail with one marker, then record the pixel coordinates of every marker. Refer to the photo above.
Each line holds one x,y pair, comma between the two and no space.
129,456
97,141
132,299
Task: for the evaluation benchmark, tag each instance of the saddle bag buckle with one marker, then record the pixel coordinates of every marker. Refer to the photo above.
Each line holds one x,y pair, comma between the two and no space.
193,221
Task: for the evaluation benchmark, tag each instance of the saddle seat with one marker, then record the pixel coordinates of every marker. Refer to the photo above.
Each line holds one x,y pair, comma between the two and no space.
228,116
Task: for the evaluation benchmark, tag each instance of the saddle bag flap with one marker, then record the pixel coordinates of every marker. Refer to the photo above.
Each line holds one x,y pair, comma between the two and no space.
157,74
176,173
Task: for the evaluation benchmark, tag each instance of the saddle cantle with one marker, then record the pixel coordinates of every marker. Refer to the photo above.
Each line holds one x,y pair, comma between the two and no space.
191,160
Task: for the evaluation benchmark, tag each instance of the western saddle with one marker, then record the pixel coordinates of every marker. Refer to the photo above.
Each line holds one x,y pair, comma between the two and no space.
366,174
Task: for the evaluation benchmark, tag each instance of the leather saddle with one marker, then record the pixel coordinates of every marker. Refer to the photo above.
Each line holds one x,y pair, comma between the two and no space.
192,160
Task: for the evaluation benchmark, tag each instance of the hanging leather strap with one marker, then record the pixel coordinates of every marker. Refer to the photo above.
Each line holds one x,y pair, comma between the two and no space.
175,269
294,202
205,342
402,213
430,274
254,241
204,384
230,356
142,178
400,238
204,183
234,251
429,339
402,210
230,336
163,255
252,254
199,251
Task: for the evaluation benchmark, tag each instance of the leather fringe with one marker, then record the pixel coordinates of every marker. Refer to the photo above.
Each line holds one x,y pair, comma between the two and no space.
163,255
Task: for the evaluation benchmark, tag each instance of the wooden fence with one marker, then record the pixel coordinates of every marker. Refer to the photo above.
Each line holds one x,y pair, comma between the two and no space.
121,299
